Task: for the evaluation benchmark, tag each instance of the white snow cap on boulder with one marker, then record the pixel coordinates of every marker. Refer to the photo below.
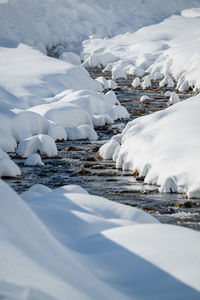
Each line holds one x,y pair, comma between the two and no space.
136,82
41,142
174,98
34,159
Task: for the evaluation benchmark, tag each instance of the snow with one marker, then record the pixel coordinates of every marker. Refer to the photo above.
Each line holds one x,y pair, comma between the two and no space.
146,82
108,149
144,98
71,58
41,142
33,160
103,82
79,111
43,24
112,84
136,82
174,98
166,82
160,49
167,142
7,166
57,238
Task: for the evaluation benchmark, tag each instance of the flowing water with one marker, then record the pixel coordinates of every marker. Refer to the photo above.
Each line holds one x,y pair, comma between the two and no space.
78,163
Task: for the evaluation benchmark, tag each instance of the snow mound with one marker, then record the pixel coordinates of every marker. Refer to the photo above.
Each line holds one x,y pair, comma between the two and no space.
7,141
114,247
161,147
82,108
112,84
144,98
41,142
33,160
136,82
103,82
7,166
174,98
71,58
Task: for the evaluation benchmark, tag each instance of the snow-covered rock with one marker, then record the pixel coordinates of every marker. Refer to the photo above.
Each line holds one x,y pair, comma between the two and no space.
41,142
144,98
166,82
107,150
146,82
33,160
136,82
174,98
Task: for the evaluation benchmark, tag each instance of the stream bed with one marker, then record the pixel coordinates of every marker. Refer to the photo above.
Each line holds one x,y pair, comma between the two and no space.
78,163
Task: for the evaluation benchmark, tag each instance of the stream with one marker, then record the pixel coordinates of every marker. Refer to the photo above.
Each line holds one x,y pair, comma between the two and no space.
78,163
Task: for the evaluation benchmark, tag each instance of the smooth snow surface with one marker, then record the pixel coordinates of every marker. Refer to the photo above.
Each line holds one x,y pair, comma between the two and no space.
164,147
67,242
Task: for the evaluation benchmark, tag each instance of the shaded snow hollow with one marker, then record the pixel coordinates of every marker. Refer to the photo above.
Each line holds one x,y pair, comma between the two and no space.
67,242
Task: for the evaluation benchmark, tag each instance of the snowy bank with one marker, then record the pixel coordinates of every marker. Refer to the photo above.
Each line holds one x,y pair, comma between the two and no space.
67,242
43,24
160,48
164,147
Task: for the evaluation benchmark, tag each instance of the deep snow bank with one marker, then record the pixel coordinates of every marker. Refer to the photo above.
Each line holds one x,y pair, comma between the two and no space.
41,23
170,47
164,147
67,242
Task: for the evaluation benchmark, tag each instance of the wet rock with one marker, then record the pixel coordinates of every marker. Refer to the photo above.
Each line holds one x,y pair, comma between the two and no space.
95,149
98,156
86,165
135,173
82,172
111,179
189,204
140,178
90,158
127,192
71,148
106,174
98,167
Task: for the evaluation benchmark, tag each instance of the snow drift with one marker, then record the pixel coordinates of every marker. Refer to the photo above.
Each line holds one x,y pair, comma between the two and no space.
67,242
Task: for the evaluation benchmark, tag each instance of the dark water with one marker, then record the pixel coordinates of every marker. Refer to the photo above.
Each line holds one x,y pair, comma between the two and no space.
77,163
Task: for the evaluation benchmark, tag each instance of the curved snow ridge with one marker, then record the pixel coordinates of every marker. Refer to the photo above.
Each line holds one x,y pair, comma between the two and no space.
164,147
53,239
